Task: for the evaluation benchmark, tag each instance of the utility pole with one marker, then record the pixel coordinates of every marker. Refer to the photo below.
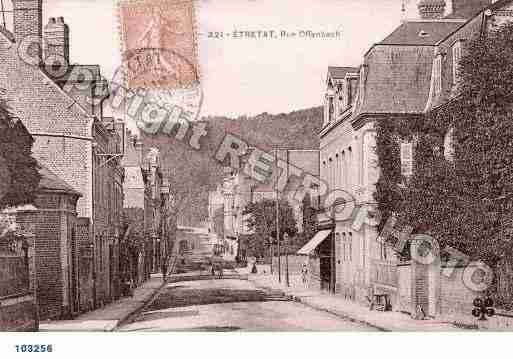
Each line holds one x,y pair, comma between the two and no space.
286,240
271,252
278,221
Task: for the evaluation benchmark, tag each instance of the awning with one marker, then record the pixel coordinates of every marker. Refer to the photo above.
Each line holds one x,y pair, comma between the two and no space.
314,242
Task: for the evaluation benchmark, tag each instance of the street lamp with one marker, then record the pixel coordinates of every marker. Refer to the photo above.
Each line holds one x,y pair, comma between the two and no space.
285,242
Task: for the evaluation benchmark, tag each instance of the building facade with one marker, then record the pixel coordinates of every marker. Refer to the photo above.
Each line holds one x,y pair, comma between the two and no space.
64,115
411,71
239,189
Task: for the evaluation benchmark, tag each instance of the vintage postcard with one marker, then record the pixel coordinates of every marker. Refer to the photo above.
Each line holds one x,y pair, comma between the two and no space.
256,166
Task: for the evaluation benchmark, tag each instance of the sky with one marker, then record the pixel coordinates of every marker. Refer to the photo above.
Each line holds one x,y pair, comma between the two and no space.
249,76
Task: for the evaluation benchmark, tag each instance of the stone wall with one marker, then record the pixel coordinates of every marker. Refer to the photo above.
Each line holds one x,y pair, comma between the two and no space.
18,314
403,300
455,298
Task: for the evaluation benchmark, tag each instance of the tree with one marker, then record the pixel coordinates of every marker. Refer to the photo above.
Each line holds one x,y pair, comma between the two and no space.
464,203
309,220
19,170
133,241
262,220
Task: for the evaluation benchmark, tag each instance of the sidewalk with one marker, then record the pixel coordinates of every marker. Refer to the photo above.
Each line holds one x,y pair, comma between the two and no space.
385,321
106,319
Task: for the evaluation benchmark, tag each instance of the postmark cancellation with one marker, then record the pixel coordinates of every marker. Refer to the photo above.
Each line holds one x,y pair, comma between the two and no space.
158,43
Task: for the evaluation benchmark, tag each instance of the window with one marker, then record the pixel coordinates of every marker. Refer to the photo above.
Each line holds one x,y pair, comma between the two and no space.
330,109
406,150
350,246
383,250
349,93
344,247
456,58
337,171
330,171
449,145
349,166
437,75
343,170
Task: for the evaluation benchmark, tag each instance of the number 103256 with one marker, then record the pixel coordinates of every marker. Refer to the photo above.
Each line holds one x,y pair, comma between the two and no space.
34,348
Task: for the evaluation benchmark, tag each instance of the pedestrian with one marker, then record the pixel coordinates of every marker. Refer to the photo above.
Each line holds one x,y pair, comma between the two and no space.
220,271
304,274
212,269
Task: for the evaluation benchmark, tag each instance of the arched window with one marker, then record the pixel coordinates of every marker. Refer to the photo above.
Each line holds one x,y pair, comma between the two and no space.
330,170
349,166
343,170
336,184
344,250
350,246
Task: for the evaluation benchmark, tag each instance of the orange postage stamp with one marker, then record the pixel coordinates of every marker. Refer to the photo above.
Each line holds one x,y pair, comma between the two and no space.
159,43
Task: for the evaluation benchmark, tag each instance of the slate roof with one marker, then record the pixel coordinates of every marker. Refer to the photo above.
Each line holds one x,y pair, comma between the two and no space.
71,75
336,72
396,80
421,32
397,74
51,182
9,35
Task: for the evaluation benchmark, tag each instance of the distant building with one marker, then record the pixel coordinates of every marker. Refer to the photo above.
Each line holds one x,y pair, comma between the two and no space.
238,190
147,189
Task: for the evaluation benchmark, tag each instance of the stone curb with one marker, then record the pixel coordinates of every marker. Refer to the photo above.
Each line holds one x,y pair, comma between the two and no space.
339,314
342,315
142,304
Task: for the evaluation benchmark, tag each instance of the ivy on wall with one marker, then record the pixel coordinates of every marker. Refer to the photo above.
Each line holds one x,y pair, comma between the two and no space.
19,168
466,203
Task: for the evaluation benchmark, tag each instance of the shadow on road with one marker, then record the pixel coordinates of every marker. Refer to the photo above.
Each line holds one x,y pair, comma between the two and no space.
180,297
164,315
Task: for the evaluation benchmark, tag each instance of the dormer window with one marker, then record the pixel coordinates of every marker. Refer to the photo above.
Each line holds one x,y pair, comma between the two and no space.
331,109
349,95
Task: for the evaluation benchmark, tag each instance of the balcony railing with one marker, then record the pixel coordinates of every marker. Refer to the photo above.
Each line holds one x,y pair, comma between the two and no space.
384,273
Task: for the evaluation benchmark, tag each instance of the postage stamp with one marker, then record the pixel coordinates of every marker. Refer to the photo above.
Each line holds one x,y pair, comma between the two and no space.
159,39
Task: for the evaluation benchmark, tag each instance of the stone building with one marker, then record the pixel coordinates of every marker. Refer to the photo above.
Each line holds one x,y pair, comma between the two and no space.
53,221
239,189
409,72
147,189
61,106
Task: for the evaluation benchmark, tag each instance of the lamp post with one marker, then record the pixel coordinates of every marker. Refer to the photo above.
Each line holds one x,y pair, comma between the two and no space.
278,222
285,241
271,253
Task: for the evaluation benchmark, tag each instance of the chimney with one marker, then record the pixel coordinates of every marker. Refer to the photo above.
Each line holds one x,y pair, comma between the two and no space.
431,9
28,20
466,9
56,40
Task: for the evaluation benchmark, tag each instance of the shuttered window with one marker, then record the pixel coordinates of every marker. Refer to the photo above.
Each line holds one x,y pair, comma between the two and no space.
437,75
406,159
456,58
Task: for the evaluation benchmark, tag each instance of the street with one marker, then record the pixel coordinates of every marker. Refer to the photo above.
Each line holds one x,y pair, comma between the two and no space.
231,305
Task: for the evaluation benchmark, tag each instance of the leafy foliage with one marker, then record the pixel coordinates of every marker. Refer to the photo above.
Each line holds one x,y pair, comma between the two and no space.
309,221
465,203
262,220
16,151
193,173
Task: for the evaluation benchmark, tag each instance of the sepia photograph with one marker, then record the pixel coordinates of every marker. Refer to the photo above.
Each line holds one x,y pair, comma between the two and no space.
212,167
